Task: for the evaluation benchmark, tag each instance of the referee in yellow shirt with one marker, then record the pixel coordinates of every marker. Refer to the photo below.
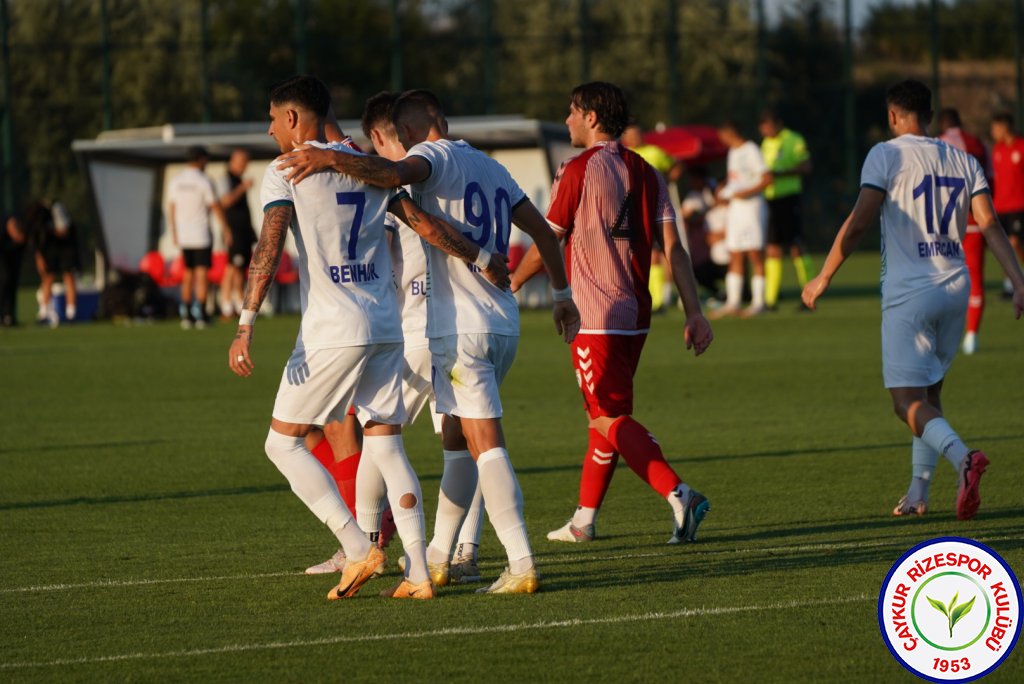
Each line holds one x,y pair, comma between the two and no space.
785,153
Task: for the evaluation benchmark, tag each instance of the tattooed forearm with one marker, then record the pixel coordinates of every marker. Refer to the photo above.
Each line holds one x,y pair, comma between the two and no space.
438,233
266,256
373,170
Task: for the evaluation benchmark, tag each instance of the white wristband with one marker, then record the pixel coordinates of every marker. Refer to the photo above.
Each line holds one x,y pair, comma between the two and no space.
563,295
247,317
483,259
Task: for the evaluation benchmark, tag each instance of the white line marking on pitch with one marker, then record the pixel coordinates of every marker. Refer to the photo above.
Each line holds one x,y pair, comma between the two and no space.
450,631
565,558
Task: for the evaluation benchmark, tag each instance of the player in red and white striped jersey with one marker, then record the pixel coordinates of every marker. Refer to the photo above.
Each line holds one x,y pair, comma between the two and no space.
973,242
610,208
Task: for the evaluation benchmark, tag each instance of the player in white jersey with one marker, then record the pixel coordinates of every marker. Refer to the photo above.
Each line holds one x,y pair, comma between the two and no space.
473,327
746,222
923,190
349,348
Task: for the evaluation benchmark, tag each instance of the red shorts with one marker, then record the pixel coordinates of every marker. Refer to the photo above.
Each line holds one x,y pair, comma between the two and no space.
605,365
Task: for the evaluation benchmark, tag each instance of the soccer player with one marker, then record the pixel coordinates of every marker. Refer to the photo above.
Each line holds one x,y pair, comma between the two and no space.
235,203
747,177
611,207
473,327
923,190
1008,177
952,133
349,348
190,200
786,156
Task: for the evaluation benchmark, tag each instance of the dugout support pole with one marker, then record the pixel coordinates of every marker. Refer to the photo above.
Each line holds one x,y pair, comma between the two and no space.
108,110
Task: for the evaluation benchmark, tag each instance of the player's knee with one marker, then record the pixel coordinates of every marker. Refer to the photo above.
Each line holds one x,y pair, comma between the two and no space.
408,500
279,447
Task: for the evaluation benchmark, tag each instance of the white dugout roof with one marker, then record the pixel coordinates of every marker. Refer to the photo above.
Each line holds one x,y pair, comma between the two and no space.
128,170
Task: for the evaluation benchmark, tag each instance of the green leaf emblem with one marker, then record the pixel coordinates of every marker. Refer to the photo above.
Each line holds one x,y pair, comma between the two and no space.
954,613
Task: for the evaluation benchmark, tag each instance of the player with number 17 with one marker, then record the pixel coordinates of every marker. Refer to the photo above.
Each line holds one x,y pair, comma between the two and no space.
923,190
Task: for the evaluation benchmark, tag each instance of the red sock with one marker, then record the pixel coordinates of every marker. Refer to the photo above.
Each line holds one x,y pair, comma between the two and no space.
974,254
643,455
343,472
387,528
598,469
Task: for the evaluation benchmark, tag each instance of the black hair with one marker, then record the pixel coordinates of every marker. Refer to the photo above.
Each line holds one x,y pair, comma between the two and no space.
1004,118
377,113
416,103
307,92
195,153
607,102
950,116
913,97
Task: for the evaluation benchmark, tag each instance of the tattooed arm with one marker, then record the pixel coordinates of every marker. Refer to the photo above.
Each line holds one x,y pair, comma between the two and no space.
376,171
265,258
448,239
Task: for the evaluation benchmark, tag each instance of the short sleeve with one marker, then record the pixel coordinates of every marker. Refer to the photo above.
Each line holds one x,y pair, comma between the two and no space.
800,153
275,191
566,192
434,158
977,183
209,194
875,173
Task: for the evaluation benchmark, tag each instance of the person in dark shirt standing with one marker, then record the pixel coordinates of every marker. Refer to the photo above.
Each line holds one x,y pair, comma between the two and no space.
12,246
235,203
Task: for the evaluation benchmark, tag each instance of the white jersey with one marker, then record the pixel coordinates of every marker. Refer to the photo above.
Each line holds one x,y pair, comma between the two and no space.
928,187
346,292
192,195
746,168
475,194
409,264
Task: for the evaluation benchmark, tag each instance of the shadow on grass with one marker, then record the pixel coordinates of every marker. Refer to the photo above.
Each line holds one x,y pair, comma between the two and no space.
169,496
35,448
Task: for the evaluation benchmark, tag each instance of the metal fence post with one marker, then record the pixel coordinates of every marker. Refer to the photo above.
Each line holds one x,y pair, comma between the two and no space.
108,110
8,125
849,101
204,62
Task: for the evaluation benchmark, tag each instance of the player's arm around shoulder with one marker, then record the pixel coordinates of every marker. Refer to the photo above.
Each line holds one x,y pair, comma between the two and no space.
277,217
306,160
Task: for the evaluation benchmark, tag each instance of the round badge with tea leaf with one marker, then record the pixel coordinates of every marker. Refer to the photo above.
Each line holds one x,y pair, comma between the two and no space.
949,610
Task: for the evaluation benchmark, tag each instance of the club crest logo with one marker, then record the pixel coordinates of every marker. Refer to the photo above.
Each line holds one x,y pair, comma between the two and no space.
949,610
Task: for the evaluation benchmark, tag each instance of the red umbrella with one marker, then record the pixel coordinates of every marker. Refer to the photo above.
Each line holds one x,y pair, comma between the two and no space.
697,144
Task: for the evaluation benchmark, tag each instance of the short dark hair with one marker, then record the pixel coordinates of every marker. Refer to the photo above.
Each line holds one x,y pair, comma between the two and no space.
196,152
378,110
949,116
911,96
416,104
607,102
1004,118
308,92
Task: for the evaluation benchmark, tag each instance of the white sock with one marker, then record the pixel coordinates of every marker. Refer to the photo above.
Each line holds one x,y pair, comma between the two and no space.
469,533
940,436
757,291
677,499
922,462
584,516
70,311
371,497
733,289
458,484
316,488
504,503
388,453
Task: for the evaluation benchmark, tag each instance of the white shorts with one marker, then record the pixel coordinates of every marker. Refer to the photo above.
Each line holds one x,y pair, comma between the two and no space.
468,369
417,390
921,336
319,385
747,236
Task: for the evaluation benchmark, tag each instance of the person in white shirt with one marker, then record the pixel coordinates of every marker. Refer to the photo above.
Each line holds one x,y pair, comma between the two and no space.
923,190
747,223
190,199
349,348
473,327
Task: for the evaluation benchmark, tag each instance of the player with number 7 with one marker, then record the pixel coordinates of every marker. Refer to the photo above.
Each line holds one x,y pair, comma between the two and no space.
473,327
923,189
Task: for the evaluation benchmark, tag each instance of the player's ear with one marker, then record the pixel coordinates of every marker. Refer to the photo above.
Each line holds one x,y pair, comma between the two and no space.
293,118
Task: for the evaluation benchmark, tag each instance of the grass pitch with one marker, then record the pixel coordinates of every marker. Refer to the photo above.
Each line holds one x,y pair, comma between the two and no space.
144,535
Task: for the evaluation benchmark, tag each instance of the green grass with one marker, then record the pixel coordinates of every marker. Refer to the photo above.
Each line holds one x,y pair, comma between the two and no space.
131,456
